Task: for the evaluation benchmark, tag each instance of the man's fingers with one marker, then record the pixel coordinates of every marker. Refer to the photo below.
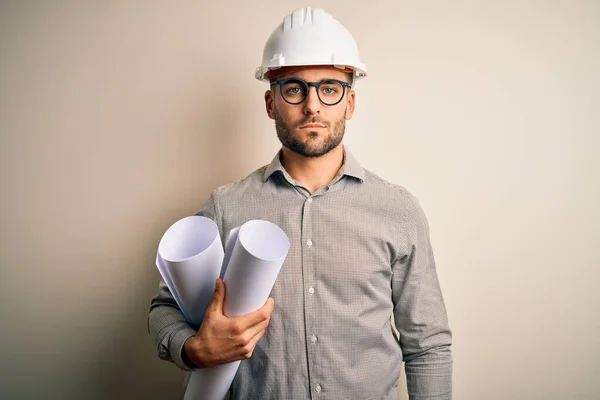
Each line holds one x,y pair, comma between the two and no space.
269,305
218,298
249,348
257,328
262,314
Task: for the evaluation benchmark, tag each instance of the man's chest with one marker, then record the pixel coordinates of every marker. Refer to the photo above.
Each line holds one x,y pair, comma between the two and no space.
341,250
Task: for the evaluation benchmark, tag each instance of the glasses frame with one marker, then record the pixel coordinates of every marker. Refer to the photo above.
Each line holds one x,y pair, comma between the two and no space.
308,85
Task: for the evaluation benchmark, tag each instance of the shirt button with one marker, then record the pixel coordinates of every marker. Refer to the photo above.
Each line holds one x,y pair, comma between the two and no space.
313,339
309,242
318,388
311,290
309,200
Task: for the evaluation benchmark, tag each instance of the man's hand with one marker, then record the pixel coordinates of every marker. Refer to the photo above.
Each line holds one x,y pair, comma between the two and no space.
221,339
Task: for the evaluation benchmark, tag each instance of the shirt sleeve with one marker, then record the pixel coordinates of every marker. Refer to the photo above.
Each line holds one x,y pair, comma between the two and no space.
419,311
166,324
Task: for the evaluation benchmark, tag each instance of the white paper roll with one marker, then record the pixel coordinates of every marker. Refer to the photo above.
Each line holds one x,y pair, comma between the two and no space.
190,258
256,259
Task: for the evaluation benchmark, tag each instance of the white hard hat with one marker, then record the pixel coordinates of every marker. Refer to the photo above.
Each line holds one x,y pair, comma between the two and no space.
310,36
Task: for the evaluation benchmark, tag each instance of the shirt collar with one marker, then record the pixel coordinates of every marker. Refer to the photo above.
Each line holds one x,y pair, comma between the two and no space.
351,167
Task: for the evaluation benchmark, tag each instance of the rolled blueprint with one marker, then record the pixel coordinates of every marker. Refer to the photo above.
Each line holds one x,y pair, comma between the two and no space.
189,262
190,255
256,258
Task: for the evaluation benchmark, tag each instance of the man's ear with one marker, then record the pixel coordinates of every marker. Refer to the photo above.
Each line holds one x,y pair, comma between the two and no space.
270,104
350,105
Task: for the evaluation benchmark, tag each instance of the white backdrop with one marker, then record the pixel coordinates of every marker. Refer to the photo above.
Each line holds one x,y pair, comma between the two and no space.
118,118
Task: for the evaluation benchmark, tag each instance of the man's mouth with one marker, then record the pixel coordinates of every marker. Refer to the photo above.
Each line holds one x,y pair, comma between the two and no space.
312,126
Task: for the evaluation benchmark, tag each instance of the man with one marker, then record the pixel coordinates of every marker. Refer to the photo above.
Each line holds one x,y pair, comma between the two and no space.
360,250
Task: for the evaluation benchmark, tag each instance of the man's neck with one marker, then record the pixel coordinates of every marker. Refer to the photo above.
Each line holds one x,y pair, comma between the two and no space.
313,172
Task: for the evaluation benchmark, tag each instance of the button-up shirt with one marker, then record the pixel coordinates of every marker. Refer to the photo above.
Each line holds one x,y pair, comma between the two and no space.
359,254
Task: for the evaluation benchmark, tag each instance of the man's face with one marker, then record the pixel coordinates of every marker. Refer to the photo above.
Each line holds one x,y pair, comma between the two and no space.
310,128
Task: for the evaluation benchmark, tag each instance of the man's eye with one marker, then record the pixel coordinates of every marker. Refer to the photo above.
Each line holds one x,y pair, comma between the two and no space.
294,90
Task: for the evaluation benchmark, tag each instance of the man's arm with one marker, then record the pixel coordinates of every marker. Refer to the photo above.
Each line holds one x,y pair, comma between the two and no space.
166,324
420,313
168,327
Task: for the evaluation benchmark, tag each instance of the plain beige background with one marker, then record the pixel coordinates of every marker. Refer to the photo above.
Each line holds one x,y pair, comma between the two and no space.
119,117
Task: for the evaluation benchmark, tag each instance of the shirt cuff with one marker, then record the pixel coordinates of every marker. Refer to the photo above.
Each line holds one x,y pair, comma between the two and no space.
176,347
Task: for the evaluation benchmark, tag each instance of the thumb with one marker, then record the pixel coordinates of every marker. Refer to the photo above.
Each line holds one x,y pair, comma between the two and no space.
216,304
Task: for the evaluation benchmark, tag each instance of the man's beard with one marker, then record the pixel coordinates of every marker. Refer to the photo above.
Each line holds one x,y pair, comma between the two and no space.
286,136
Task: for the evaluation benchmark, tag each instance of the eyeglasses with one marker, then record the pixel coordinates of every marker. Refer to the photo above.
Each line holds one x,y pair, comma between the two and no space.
295,91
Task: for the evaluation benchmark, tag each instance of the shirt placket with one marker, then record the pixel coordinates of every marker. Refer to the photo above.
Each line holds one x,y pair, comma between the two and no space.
309,245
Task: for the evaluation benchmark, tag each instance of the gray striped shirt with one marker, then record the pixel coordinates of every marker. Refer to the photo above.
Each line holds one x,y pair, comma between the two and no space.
360,253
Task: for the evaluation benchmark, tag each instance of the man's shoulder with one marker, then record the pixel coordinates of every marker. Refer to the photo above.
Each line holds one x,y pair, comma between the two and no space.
384,188
253,181
393,199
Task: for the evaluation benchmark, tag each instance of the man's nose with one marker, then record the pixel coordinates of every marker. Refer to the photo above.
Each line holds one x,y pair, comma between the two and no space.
312,104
